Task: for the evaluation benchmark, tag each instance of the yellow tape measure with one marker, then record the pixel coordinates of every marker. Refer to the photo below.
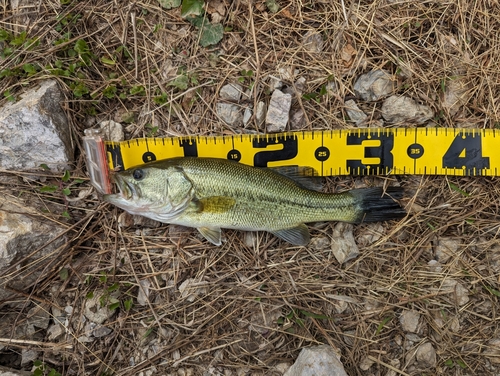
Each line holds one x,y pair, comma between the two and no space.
430,151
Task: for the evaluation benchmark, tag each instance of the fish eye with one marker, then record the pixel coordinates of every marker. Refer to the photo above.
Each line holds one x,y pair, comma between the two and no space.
138,174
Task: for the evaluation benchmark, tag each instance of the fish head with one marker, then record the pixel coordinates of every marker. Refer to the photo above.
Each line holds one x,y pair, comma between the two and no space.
160,193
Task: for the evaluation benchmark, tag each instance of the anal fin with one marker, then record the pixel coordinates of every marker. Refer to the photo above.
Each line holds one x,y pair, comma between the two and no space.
212,234
298,235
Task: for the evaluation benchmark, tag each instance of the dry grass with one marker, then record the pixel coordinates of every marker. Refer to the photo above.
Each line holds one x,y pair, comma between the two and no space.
259,299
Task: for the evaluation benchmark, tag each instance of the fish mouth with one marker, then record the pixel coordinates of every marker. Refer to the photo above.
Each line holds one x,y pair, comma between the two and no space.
127,190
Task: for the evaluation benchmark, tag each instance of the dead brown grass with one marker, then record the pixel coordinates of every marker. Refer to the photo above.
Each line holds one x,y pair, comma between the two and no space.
258,301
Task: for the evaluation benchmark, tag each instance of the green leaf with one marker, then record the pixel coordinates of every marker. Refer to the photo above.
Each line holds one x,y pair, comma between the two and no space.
272,5
314,315
180,82
38,372
449,363
148,332
137,90
65,214
66,176
81,47
63,274
114,306
211,34
169,4
29,68
79,90
128,304
382,324
115,286
66,191
45,167
107,61
48,188
37,363
4,35
457,189
89,295
109,91
7,94
19,39
192,8
492,291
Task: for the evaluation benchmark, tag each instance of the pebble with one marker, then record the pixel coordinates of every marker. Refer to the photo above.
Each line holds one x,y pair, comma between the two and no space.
93,310
260,113
343,245
354,112
456,95
400,109
247,115
426,355
492,351
298,119
230,113
278,112
374,85
445,249
317,360
143,294
313,42
112,130
458,292
231,92
409,321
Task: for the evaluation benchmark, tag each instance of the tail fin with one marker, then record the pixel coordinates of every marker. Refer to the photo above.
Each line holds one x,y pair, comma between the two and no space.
377,204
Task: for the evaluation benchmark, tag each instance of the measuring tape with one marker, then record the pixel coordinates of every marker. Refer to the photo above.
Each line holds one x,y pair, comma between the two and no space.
364,151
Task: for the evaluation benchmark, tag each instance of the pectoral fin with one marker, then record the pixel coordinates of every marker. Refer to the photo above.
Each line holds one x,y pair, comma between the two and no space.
298,235
212,234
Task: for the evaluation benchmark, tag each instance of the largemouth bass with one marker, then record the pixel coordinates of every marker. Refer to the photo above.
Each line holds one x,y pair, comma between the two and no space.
210,194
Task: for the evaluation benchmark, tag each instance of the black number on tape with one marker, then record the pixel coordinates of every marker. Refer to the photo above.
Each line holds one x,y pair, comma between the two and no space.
116,156
190,147
383,152
289,151
465,152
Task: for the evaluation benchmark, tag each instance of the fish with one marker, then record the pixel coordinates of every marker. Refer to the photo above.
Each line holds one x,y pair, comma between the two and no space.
212,193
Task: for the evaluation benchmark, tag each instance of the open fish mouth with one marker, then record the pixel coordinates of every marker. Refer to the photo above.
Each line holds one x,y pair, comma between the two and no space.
127,190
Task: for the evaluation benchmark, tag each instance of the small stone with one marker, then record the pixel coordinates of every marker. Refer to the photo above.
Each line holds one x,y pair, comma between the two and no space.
435,266
400,109
112,130
282,367
343,244
458,293
300,85
231,92
191,288
298,119
250,239
374,85
313,42
409,321
317,360
426,355
55,331
93,310
371,233
230,113
38,316
354,112
492,351
277,114
319,243
365,363
101,331
456,95
260,113
247,115
28,356
445,249
143,294
122,115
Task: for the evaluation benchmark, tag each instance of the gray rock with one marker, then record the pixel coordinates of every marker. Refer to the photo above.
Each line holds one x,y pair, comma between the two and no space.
101,331
374,85
35,130
457,291
343,245
277,114
38,317
492,351
93,310
354,112
426,355
231,92
446,248
55,331
313,42
28,356
230,113
298,119
319,243
4,371
22,232
400,109
260,113
456,94
320,360
409,321
112,130
247,115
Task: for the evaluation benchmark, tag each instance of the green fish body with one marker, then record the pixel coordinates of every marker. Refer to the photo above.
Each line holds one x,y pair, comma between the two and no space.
211,193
